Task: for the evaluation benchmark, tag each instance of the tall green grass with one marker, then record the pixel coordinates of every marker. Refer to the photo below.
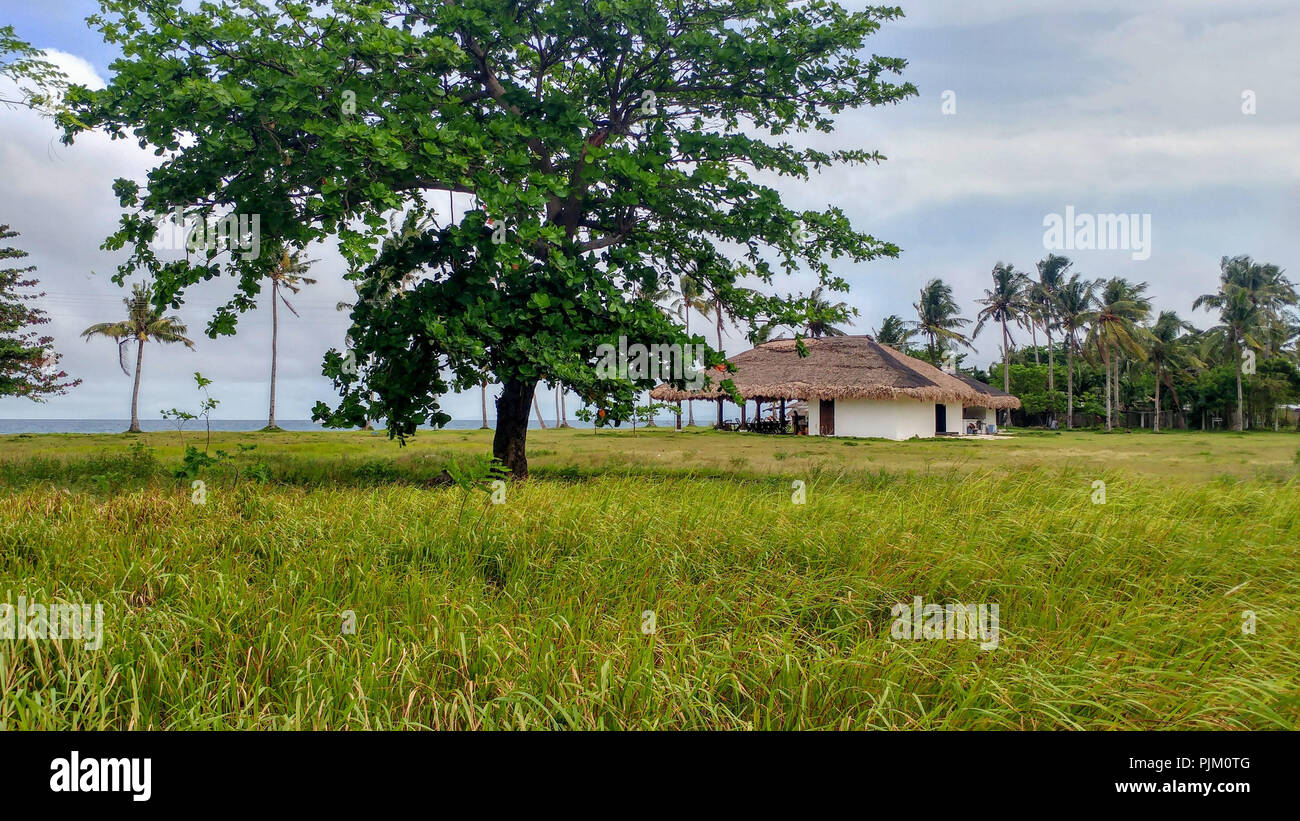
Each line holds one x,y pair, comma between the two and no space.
768,614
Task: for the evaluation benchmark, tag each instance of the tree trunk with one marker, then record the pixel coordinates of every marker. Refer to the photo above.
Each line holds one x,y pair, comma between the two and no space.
1155,426
1006,361
1105,361
275,335
538,409
1239,408
483,397
690,405
1069,383
1178,403
1115,371
558,389
1033,331
508,445
1051,361
135,392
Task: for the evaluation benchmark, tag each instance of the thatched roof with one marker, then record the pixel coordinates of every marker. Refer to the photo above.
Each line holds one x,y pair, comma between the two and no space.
842,367
993,397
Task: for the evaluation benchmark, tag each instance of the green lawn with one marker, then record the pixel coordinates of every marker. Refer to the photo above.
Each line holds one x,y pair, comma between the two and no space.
768,614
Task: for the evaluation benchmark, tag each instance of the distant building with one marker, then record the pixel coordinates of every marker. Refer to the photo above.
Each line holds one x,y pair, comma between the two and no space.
855,386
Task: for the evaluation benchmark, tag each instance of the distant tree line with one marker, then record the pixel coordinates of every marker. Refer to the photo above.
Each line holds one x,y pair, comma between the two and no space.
1119,356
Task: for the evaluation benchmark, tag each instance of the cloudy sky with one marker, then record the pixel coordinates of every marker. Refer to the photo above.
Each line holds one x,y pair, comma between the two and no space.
1103,106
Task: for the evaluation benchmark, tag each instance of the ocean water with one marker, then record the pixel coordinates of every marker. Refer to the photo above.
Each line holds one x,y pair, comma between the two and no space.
15,426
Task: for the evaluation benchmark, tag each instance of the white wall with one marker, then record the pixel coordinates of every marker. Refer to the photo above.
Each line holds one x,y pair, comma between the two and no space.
883,418
952,418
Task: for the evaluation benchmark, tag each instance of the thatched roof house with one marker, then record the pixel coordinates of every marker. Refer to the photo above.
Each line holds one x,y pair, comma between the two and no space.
879,391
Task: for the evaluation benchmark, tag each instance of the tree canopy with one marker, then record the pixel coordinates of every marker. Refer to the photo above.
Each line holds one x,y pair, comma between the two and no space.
28,362
607,147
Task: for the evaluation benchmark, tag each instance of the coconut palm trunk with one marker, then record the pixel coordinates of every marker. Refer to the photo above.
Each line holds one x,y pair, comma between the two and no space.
1155,426
719,351
1069,384
135,391
275,338
1051,361
538,409
1006,360
483,397
1239,405
1115,376
1105,361
690,406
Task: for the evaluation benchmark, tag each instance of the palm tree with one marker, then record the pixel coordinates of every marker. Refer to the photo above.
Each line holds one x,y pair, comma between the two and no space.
821,313
1006,302
286,276
1051,273
142,323
893,331
482,386
1075,303
715,304
563,411
1166,348
690,297
937,317
1121,305
1239,317
1266,288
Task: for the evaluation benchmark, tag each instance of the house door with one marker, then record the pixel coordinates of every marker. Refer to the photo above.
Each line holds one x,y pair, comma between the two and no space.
826,417
940,418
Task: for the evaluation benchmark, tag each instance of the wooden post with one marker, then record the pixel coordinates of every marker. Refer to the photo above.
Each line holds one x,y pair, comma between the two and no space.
719,411
744,425
782,411
679,414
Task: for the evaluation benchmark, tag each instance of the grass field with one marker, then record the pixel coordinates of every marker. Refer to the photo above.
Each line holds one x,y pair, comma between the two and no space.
768,614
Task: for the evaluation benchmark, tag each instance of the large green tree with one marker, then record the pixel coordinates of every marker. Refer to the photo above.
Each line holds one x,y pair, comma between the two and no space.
602,139
27,358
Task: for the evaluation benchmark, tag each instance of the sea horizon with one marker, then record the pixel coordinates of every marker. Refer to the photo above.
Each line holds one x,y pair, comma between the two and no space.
10,427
